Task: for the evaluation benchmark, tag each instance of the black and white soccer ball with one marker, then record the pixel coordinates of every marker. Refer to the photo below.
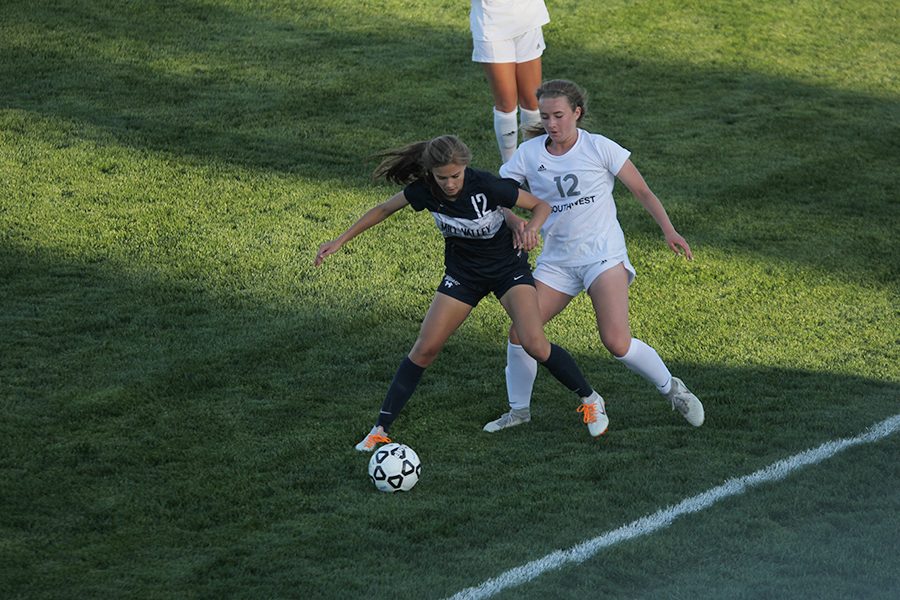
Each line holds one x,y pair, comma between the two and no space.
394,468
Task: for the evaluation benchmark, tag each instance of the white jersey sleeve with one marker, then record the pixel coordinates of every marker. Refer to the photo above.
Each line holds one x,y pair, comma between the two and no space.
515,167
494,20
582,227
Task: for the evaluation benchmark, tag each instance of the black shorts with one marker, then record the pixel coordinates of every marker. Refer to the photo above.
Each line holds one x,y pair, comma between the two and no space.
472,290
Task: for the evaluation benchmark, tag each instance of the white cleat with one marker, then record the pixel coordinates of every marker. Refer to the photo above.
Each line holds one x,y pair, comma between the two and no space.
516,416
594,411
375,437
685,402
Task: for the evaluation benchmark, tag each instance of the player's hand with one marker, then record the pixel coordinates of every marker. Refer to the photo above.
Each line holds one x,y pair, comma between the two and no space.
518,231
517,225
528,238
326,249
679,245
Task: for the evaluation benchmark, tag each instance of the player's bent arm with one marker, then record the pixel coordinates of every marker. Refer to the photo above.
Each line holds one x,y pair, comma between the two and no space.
372,217
513,221
634,181
529,235
540,210
517,224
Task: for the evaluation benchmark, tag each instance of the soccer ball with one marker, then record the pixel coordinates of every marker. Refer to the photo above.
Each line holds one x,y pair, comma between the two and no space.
394,467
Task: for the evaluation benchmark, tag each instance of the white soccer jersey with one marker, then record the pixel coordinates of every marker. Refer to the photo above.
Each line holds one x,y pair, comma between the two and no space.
582,227
494,20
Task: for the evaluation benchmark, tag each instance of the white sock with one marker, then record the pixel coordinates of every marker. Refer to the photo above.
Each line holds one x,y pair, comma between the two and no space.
643,360
529,118
521,370
506,128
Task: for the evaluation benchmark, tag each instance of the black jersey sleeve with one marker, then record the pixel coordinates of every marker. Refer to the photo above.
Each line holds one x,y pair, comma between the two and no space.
417,194
510,193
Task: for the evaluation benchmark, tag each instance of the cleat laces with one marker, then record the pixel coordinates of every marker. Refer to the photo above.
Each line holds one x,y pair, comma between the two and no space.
376,438
680,405
685,402
590,412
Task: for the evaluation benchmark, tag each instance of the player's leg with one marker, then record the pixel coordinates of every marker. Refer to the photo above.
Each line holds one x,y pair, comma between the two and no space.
529,49
528,79
502,81
501,77
521,303
444,316
609,296
521,369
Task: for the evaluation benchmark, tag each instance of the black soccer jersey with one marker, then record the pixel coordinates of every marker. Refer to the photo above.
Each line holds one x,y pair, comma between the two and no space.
477,243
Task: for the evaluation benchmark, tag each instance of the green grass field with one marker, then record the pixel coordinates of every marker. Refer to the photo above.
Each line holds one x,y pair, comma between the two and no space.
181,390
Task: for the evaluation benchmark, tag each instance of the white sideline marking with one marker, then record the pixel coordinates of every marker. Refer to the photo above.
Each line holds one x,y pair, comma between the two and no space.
663,518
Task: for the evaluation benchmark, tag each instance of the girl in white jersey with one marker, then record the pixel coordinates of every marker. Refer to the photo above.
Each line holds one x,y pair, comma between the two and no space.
584,247
479,259
508,41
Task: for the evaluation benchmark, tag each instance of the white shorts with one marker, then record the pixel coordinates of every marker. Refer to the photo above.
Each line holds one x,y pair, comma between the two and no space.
523,48
572,280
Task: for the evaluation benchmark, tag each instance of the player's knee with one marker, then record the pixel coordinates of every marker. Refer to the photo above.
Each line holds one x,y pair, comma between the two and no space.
506,104
537,347
424,354
617,345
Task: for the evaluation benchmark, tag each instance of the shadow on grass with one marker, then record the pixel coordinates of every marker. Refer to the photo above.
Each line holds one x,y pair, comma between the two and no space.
211,83
159,435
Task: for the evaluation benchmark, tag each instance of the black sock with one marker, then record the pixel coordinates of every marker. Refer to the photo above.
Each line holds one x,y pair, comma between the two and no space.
402,387
562,366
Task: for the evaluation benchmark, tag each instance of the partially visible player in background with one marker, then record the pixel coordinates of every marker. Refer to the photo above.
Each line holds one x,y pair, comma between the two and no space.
479,259
508,41
584,246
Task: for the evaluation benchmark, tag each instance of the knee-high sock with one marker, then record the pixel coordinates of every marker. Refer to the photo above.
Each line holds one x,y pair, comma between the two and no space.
402,387
529,118
643,360
507,132
521,370
562,366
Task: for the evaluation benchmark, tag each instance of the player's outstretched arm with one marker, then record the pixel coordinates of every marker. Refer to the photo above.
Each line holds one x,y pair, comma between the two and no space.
527,234
634,181
373,217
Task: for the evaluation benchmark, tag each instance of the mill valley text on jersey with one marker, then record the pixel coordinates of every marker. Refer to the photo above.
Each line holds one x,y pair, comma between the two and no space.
475,232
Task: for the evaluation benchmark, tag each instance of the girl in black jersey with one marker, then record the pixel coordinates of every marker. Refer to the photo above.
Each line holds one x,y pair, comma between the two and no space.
479,258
